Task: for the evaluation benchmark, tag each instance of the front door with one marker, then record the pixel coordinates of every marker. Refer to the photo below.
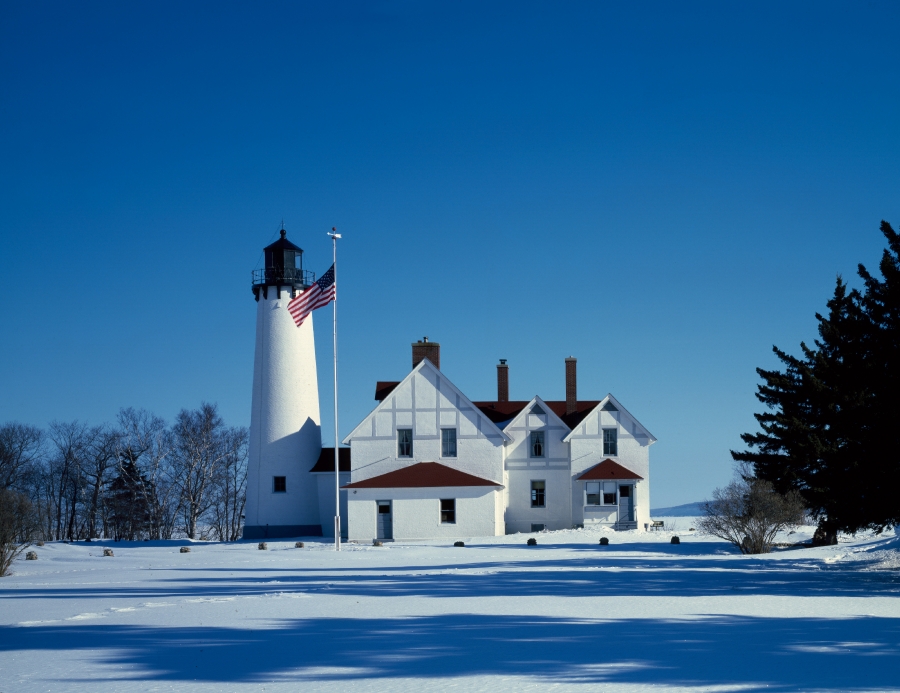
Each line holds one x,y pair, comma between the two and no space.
385,529
626,503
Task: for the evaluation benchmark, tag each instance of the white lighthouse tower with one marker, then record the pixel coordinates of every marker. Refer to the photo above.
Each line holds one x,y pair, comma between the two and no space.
285,435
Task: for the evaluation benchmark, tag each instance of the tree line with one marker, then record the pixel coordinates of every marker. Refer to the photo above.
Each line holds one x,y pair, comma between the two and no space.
829,431
138,478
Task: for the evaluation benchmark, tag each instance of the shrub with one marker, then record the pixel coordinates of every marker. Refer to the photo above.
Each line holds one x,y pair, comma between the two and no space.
532,542
184,549
108,552
375,542
299,545
31,556
604,541
675,540
749,513
263,546
459,543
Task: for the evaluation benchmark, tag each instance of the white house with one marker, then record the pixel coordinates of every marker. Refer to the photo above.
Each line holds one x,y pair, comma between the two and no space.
428,462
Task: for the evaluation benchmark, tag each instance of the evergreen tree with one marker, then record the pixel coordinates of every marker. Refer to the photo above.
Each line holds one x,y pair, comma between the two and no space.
827,432
127,502
881,303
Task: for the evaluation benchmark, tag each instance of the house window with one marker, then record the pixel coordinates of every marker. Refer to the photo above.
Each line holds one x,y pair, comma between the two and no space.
610,444
279,484
448,442
592,493
404,442
537,444
609,493
448,511
537,494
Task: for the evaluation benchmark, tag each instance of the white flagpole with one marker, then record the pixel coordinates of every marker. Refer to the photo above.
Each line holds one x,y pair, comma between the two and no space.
337,469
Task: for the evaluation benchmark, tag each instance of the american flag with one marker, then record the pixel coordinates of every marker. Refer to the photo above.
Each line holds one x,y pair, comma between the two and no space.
319,294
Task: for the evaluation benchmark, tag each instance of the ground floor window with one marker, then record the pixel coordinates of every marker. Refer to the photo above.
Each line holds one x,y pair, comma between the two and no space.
609,493
448,511
537,494
600,493
279,484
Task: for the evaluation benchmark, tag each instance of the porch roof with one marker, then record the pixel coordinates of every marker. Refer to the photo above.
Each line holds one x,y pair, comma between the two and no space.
423,475
608,469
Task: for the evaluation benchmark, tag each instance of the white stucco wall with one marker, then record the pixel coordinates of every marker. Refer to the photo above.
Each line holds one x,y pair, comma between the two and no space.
586,445
426,403
416,512
285,437
552,468
325,487
557,510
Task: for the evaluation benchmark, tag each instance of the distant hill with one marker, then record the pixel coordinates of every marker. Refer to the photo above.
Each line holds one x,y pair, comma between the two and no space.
686,510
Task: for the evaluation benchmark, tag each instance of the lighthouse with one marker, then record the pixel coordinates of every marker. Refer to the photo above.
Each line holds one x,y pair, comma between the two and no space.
285,433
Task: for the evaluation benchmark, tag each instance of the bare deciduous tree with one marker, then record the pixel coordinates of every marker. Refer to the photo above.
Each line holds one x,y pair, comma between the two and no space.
98,465
203,445
231,488
66,482
17,527
138,480
20,451
749,513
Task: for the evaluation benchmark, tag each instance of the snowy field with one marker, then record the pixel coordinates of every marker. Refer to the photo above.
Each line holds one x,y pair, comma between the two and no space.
566,615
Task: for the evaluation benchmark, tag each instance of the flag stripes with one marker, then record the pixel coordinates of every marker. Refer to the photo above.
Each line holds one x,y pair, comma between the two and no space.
319,294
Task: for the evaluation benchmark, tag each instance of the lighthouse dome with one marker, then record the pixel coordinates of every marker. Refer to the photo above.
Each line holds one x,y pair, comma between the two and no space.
283,267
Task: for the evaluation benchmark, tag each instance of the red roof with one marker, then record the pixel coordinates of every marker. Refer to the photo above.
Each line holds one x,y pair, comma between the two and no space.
385,387
498,412
608,469
423,475
325,463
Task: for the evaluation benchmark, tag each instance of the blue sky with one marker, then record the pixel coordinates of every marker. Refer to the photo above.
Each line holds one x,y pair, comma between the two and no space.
664,190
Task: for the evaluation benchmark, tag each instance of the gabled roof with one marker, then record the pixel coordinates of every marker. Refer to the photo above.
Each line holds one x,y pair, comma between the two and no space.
325,463
422,365
499,412
603,405
552,416
608,469
423,475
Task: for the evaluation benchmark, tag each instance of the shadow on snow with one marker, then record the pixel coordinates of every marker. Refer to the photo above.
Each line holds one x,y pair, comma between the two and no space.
786,654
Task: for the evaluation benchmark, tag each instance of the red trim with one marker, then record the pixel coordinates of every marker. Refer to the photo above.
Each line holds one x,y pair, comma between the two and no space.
423,475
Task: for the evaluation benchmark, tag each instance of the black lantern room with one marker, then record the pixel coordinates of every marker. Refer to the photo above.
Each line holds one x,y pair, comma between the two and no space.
284,268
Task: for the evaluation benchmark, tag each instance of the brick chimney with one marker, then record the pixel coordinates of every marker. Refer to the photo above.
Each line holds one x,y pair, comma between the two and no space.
502,381
571,386
423,349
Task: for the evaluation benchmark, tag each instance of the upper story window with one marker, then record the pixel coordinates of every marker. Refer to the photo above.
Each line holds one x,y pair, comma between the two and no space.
537,493
404,442
448,442
537,444
610,442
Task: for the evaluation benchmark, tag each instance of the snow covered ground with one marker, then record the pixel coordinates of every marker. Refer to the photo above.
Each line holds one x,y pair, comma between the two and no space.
565,615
